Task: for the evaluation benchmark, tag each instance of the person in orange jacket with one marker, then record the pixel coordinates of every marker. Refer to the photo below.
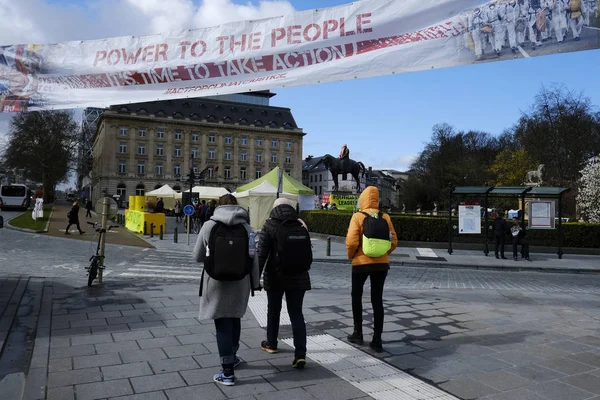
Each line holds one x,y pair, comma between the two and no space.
365,266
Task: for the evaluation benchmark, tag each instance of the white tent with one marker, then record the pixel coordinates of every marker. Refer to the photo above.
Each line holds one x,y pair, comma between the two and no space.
164,191
259,201
209,192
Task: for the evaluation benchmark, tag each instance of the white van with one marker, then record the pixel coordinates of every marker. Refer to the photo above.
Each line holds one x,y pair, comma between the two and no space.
15,196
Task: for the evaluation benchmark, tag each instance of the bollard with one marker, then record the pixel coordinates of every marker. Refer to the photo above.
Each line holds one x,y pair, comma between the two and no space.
152,229
175,235
145,228
160,233
328,249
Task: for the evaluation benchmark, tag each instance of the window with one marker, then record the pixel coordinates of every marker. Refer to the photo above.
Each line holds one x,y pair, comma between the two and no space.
258,173
320,177
211,173
287,171
195,169
122,147
160,150
177,151
228,139
211,154
259,156
243,173
178,134
159,169
195,136
228,155
311,178
122,166
259,141
195,152
212,138
320,189
244,140
243,156
160,133
288,158
141,168
123,131
142,132
227,173
288,144
273,157
273,142
140,190
121,192
142,148
177,169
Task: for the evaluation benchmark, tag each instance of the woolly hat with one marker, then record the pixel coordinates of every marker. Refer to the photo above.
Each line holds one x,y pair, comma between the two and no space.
283,200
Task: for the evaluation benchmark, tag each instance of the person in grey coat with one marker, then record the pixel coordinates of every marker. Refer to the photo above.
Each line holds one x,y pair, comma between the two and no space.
225,302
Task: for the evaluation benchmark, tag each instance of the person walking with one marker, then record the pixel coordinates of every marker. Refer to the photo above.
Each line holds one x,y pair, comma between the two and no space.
177,211
370,240
500,230
73,217
519,234
285,255
88,207
223,246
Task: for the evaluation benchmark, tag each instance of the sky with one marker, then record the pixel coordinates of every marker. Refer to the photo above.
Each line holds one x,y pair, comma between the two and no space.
384,121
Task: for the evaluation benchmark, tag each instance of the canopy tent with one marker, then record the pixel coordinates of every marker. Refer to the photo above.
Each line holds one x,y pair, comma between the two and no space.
167,193
259,202
305,196
209,192
163,191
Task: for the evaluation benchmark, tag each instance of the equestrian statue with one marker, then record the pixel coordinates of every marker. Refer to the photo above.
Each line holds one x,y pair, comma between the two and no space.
534,178
343,165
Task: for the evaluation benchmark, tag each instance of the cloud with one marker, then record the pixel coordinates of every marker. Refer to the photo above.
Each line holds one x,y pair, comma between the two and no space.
400,163
42,21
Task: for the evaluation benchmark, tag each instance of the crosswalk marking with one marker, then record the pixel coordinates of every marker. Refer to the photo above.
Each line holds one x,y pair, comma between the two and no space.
374,377
162,276
165,264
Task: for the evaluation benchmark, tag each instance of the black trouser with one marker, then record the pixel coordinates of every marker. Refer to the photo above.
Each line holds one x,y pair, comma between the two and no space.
74,223
294,299
228,339
88,213
524,247
499,242
377,282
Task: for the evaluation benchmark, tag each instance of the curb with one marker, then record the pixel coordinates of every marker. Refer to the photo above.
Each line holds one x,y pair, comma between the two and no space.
45,230
416,264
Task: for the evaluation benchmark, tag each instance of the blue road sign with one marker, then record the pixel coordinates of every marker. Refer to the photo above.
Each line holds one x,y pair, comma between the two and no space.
188,210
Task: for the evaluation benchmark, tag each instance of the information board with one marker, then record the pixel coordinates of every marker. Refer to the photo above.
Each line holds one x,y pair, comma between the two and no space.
469,219
541,214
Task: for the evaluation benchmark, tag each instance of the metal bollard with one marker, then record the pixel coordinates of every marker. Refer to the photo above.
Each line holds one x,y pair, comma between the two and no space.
328,249
175,235
160,233
145,228
152,229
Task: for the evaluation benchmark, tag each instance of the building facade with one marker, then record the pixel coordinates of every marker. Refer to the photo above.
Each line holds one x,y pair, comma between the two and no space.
140,147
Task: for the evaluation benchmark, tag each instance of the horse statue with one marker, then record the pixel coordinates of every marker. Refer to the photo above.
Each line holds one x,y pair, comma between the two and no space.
537,175
334,165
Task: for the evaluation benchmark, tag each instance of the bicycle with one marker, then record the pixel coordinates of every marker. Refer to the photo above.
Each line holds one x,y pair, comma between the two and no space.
196,225
95,260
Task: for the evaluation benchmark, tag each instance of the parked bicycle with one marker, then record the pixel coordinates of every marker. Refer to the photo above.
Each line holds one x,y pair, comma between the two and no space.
96,260
195,224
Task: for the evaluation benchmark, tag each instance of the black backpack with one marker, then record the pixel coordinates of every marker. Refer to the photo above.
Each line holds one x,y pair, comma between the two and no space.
228,258
376,235
294,249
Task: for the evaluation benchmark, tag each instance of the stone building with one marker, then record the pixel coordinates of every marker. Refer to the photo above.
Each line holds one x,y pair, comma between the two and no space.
140,147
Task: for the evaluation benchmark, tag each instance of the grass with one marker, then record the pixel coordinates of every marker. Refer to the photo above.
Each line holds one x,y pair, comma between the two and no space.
25,221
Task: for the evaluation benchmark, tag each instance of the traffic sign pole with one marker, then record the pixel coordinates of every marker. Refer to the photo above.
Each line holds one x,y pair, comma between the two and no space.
188,230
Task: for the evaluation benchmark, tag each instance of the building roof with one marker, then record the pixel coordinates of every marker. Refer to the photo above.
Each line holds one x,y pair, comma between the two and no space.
311,164
213,111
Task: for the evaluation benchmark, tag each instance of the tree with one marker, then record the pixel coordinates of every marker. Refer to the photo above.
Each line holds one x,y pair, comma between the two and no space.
42,144
588,198
562,131
511,166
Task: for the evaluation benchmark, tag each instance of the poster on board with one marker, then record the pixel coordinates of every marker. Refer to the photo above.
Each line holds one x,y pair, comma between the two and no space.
541,214
469,219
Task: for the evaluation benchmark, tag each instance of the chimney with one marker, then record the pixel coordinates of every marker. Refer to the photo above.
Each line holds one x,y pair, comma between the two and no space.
370,170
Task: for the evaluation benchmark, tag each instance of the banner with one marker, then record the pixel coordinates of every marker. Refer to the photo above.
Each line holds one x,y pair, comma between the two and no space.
357,40
344,202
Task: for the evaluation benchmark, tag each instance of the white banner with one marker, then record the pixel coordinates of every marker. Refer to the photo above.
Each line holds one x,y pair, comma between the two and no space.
358,40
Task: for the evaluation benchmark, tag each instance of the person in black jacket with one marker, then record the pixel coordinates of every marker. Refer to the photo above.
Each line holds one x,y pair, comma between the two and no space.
73,216
88,207
519,233
500,230
276,285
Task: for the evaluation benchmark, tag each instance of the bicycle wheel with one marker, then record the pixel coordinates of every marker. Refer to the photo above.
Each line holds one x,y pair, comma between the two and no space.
196,226
93,272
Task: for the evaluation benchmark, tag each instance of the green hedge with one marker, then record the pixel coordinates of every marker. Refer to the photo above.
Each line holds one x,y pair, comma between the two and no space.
435,229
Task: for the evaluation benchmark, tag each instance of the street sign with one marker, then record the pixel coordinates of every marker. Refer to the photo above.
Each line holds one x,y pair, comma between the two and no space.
188,210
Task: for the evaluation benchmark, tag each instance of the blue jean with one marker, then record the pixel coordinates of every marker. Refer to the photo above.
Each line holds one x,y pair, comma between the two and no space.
294,299
228,338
